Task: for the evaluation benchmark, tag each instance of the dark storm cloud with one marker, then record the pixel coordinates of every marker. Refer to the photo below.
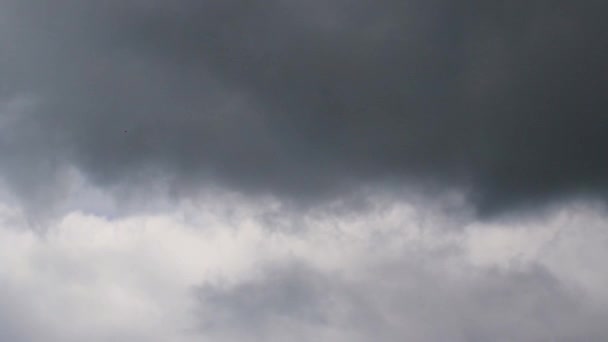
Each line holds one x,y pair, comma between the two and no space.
302,98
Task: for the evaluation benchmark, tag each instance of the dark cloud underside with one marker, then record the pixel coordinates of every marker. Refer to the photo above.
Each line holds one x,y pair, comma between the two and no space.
305,98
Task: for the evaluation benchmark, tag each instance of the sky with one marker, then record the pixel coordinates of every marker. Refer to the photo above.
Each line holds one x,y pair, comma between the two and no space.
294,170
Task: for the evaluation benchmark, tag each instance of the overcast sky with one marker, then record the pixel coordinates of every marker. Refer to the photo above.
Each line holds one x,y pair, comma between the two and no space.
291,170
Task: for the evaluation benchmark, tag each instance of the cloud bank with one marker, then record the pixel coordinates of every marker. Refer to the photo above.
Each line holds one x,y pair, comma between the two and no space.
310,100
204,271
303,170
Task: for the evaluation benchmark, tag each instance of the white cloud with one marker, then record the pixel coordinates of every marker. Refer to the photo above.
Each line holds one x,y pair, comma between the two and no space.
231,269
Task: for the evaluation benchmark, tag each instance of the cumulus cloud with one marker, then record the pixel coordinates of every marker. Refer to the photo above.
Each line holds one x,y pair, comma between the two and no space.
217,272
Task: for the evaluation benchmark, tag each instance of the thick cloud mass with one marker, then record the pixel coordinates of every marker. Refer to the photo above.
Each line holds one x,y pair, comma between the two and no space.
212,270
305,98
293,170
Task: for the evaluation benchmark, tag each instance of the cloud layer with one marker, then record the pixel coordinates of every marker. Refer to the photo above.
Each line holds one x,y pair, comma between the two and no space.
223,272
305,100
303,170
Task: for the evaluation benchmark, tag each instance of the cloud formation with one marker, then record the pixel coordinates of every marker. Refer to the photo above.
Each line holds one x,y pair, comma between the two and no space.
303,170
305,100
208,271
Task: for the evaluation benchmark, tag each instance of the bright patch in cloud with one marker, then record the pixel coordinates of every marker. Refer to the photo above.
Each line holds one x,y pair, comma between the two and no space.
220,269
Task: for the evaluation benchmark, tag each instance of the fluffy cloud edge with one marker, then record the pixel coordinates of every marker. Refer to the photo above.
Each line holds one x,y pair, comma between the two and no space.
231,268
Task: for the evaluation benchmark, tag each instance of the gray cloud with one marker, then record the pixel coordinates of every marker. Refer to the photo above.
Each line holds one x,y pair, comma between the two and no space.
419,300
110,106
308,99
